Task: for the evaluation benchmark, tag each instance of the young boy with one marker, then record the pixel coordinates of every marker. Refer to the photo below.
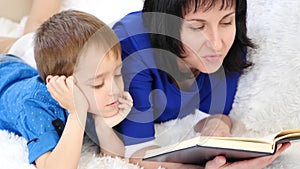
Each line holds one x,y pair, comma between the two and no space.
78,57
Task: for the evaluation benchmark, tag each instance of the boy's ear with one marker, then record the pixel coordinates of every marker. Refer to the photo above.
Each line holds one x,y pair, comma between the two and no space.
48,78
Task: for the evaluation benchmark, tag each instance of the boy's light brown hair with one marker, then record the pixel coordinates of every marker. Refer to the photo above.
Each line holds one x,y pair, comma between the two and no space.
60,41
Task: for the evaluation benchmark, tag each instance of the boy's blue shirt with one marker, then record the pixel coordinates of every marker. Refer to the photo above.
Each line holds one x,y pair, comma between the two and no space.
27,108
155,98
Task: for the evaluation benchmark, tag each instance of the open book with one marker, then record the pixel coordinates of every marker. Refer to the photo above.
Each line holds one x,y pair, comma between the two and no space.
200,149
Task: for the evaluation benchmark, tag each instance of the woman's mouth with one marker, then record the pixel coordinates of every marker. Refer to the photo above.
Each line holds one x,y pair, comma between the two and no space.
212,58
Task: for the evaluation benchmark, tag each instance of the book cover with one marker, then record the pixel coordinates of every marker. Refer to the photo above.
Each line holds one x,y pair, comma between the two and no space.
201,149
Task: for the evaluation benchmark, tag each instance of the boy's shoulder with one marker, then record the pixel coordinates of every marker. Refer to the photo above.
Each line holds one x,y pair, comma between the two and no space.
13,72
22,82
14,68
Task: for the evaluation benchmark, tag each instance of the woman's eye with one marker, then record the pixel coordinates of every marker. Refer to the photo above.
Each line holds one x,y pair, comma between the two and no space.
195,28
227,23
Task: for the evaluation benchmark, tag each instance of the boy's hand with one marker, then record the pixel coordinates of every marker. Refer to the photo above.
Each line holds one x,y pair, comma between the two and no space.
125,105
124,109
67,94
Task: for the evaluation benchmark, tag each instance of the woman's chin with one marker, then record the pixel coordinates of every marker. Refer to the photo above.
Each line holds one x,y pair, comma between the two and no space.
211,70
210,67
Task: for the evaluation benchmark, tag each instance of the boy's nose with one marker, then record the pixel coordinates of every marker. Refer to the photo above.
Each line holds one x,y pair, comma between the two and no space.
115,89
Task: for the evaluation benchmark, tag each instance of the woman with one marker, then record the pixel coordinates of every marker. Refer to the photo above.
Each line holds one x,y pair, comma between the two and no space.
37,11
179,56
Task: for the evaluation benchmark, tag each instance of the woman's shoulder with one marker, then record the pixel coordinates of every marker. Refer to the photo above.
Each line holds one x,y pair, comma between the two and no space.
132,17
130,25
133,36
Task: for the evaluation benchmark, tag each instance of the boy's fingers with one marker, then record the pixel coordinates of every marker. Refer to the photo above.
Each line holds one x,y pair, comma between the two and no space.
52,91
70,82
127,96
53,79
48,78
57,85
124,101
61,85
124,106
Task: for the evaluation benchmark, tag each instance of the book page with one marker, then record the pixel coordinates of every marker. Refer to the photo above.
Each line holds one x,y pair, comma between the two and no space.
288,134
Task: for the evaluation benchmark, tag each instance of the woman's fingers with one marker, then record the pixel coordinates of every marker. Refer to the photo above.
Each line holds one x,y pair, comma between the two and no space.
281,148
216,163
258,163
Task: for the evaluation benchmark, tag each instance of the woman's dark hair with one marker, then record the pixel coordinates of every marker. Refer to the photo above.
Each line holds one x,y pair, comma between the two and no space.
162,33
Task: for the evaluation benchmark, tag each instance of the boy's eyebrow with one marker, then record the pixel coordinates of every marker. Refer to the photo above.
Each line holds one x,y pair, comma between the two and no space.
94,78
101,75
202,20
119,66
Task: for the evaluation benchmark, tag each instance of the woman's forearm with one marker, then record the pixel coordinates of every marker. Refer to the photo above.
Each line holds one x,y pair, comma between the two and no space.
215,125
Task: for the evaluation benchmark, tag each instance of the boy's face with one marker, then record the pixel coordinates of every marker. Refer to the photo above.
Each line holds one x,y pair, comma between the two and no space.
99,78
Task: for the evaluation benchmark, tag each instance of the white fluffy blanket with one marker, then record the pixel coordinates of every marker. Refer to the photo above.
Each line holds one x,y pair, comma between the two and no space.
268,96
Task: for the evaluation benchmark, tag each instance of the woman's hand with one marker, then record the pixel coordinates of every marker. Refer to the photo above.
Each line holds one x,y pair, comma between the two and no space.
214,125
219,162
67,94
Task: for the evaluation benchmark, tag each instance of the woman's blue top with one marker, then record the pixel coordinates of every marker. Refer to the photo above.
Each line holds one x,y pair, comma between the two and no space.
157,99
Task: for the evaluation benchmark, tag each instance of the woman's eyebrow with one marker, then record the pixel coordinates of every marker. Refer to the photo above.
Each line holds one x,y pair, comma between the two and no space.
202,20
231,13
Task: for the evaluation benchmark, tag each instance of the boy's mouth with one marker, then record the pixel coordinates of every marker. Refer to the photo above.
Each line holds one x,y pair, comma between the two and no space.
115,103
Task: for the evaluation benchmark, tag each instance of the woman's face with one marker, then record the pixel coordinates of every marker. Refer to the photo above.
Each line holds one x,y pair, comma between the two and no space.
207,37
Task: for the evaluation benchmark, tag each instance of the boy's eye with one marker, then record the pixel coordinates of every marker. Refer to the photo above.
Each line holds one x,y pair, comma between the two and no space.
118,75
98,86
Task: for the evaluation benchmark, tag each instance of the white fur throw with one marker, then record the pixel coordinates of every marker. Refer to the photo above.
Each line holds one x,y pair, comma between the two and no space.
267,100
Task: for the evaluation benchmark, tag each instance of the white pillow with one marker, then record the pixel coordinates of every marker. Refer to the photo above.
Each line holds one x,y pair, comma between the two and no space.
268,96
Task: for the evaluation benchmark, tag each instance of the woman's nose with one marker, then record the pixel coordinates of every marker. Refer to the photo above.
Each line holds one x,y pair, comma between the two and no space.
215,40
